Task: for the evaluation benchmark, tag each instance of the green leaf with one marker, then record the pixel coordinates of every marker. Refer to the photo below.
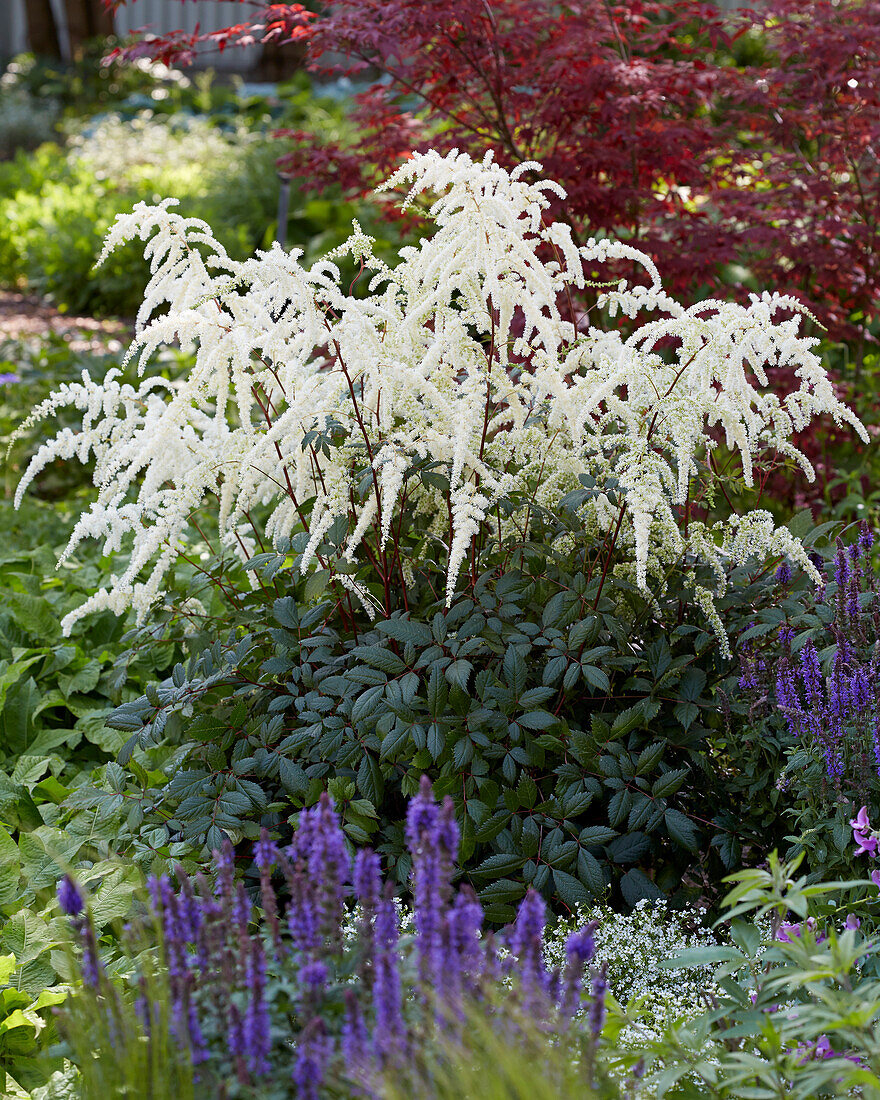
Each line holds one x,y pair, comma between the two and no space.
572,892
458,673
436,741
499,865
316,584
682,830
503,890
7,968
596,834
619,807
635,885
686,713
590,873
668,783
10,870
628,848
406,632
379,657
596,678
527,791
538,720
515,670
649,757
115,897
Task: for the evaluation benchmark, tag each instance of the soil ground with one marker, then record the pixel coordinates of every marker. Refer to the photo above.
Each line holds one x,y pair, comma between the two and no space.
23,316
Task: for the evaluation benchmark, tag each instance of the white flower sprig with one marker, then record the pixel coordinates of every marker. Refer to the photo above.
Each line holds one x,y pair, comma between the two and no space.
458,357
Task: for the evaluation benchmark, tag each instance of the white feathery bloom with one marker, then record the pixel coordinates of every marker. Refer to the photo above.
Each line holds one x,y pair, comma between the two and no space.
457,360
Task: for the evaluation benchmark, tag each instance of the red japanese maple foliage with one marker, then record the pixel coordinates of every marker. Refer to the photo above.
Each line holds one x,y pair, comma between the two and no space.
266,24
654,134
807,123
763,173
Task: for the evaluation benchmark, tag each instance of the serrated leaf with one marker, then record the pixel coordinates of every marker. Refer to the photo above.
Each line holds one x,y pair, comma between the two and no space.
619,807
571,890
628,848
596,678
537,720
458,673
499,865
649,757
504,890
590,873
596,834
379,657
668,783
406,632
515,670
527,791
635,885
682,830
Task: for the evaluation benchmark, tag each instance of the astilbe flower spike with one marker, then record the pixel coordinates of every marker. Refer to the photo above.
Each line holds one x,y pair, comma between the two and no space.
479,374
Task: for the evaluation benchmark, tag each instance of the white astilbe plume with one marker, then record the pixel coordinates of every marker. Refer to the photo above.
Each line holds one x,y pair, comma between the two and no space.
457,361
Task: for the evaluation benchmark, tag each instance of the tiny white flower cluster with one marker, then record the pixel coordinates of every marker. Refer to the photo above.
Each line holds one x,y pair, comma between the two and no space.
458,356
128,149
633,945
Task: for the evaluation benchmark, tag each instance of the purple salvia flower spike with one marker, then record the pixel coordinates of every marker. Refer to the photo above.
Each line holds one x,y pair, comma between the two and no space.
256,1030
388,1027
580,947
526,943
313,1054
329,866
355,1044
224,860
598,1008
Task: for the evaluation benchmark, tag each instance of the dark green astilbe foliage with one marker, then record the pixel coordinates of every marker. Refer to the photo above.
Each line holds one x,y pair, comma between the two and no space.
576,735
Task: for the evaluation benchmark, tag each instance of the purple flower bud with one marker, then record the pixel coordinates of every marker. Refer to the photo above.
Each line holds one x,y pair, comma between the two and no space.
69,897
580,946
783,574
91,963
314,975
265,851
866,536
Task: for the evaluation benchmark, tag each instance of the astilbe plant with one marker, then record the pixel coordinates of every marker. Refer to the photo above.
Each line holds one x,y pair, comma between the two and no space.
292,1005
453,386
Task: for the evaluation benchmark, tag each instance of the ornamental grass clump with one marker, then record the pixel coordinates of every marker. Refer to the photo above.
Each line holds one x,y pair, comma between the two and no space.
289,1005
401,423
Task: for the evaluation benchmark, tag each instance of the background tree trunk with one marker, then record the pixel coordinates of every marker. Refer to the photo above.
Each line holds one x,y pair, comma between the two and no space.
86,19
41,29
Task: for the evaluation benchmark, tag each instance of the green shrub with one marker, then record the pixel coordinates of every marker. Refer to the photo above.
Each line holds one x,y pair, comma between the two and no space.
579,742
57,204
